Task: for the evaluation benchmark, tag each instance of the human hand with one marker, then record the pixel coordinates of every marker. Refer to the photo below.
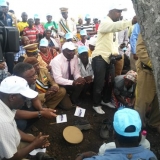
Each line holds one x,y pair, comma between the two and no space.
49,93
54,88
134,20
88,79
79,81
135,57
41,141
49,68
49,114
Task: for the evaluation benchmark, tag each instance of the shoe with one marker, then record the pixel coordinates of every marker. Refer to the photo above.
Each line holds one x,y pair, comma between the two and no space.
109,104
44,156
105,128
83,124
99,110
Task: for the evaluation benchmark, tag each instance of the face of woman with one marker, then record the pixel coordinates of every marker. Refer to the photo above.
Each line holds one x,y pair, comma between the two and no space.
43,49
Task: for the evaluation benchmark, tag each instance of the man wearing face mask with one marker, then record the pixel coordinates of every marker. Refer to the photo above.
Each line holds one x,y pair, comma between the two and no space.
106,45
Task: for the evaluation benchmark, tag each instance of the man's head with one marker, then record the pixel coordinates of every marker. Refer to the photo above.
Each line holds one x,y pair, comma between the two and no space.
64,12
83,34
43,45
68,50
36,19
130,78
25,41
49,17
127,125
115,11
83,54
32,50
4,6
25,71
69,37
80,21
88,19
95,20
48,33
24,17
34,62
14,91
30,22
92,43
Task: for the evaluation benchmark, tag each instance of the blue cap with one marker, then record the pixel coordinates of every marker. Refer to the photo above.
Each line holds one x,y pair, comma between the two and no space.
3,3
87,16
82,49
36,16
124,118
68,35
43,43
83,33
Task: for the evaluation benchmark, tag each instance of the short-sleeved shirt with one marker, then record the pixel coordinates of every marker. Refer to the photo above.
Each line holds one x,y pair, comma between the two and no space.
9,135
21,52
31,33
88,71
51,24
22,25
133,153
121,90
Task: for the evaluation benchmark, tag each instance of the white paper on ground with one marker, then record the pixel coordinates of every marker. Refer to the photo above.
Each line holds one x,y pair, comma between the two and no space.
35,151
61,118
80,112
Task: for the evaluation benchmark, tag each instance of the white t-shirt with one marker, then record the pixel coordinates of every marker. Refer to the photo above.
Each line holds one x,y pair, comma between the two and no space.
9,135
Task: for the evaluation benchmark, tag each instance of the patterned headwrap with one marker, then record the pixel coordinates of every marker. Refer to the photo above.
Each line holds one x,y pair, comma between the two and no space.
131,75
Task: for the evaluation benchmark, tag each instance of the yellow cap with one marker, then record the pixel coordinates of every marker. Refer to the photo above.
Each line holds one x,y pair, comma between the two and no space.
72,135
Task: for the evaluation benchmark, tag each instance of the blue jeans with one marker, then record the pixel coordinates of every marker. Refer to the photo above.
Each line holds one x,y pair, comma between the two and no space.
103,80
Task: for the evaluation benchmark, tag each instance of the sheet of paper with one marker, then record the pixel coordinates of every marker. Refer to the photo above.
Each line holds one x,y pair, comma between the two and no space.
35,151
80,112
61,118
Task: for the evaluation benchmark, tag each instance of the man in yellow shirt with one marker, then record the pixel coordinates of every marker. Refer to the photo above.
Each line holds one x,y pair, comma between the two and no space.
106,45
23,24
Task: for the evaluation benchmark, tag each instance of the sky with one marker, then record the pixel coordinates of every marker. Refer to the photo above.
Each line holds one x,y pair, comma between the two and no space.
96,8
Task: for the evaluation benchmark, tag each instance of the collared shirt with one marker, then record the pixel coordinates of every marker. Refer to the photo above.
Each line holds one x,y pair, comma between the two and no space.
9,135
121,90
71,26
21,52
88,71
134,37
79,43
134,153
40,28
31,33
59,67
22,25
107,42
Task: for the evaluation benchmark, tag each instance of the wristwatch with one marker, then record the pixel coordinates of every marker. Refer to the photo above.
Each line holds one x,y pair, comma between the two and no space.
39,114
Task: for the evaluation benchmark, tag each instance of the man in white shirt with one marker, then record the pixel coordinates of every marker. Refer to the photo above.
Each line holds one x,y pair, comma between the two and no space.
85,67
13,93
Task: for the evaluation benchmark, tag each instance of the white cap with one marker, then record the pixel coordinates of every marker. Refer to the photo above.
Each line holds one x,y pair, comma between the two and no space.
92,41
3,3
68,45
36,16
17,85
117,6
43,43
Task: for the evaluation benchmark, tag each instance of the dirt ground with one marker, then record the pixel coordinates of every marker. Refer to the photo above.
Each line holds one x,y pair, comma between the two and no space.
92,140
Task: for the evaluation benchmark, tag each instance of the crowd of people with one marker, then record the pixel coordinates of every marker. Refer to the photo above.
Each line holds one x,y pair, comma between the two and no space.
59,63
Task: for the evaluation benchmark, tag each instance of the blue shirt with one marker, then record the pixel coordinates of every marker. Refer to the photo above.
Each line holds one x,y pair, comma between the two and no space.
134,37
21,52
137,153
9,20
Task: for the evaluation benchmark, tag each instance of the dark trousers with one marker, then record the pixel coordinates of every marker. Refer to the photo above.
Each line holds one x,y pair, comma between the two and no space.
74,91
103,78
10,61
23,124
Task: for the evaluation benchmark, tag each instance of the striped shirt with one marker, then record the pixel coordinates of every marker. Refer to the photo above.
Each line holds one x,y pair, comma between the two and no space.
31,33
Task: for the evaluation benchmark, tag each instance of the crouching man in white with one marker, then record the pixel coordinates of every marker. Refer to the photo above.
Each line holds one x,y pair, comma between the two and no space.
13,93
